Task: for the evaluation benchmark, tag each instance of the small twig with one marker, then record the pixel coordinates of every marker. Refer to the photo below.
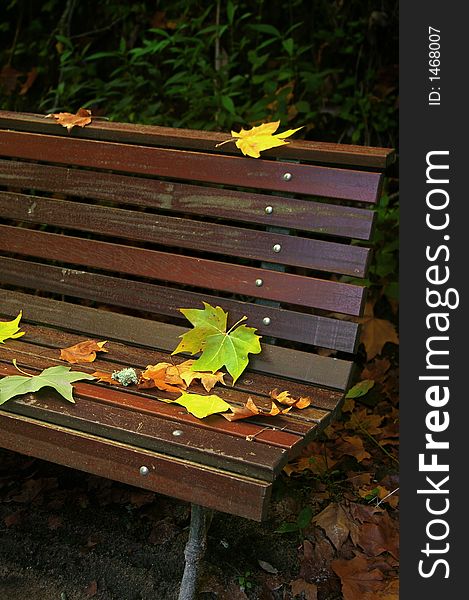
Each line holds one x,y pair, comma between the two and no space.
100,30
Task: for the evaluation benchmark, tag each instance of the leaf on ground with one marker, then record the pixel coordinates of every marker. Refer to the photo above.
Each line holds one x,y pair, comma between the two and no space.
376,369
336,523
319,460
253,141
376,332
308,591
10,329
200,406
104,377
82,352
219,347
267,567
357,578
360,389
352,446
60,378
67,120
381,535
380,493
362,420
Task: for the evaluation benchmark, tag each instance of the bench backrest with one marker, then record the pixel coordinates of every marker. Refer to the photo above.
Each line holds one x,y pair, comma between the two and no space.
149,220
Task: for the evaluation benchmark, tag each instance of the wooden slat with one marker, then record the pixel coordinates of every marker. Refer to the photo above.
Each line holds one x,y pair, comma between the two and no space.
285,324
324,152
178,478
203,273
44,344
291,213
362,186
187,233
303,366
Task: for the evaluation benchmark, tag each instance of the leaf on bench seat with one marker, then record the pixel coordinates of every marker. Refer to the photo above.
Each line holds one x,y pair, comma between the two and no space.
253,141
200,406
69,121
10,329
82,352
219,347
60,378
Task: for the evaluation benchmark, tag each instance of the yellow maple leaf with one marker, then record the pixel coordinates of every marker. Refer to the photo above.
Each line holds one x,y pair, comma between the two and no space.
253,141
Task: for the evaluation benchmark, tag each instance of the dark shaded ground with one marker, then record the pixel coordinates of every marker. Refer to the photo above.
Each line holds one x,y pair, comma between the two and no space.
66,535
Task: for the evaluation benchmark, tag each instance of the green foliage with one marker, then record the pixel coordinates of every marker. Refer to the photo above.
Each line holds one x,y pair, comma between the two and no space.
60,378
209,65
302,521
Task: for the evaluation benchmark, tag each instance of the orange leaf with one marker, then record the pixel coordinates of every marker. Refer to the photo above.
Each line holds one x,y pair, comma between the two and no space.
309,590
208,380
67,120
104,377
155,376
244,412
82,352
356,577
376,332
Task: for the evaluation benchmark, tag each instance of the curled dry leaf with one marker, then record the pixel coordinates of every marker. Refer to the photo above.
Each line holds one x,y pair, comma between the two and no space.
250,409
208,380
104,377
155,376
82,352
285,398
67,120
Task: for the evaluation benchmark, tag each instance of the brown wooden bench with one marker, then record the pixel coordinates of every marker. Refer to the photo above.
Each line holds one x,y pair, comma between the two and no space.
146,220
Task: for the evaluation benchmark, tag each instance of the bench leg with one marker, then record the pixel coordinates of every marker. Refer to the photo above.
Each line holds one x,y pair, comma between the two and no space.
195,550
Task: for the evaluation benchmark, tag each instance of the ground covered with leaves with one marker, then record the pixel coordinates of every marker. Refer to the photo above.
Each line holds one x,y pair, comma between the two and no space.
332,533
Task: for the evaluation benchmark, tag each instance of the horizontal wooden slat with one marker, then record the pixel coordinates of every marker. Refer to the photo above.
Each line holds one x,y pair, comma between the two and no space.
186,270
261,174
302,366
291,213
151,298
324,152
187,233
178,478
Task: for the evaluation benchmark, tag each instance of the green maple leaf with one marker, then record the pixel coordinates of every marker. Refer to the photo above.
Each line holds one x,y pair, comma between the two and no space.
10,329
219,347
60,378
200,406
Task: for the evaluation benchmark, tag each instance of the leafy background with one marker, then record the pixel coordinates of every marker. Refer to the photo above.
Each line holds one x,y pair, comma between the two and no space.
332,67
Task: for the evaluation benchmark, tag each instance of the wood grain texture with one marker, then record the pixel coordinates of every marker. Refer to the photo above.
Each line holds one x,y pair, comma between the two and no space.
330,182
186,480
187,233
185,270
324,152
274,360
160,300
233,205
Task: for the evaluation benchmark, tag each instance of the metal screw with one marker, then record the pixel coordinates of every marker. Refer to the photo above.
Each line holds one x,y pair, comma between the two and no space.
144,471
266,320
276,248
269,210
177,432
287,176
259,282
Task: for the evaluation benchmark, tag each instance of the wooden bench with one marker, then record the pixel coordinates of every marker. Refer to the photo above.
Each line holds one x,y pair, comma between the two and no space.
107,231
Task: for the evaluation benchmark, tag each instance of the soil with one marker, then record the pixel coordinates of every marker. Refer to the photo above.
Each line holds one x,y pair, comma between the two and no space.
67,535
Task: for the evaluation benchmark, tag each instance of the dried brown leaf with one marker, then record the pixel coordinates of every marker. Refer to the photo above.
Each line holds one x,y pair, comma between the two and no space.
357,578
82,352
376,332
336,523
309,590
69,121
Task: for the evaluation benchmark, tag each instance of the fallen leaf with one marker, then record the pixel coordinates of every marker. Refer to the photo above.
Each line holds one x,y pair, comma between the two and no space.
67,120
362,420
104,377
10,329
285,398
335,522
253,141
352,446
300,586
376,332
92,589
376,369
379,536
82,352
208,380
390,592
200,406
267,567
360,389
13,518
155,376
60,378
356,577
219,347
242,412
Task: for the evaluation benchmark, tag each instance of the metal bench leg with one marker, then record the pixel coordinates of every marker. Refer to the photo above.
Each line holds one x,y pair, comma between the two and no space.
195,550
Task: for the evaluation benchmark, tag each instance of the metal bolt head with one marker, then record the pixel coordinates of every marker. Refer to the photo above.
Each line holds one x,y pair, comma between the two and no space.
276,248
287,176
144,471
269,210
266,320
177,433
259,282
